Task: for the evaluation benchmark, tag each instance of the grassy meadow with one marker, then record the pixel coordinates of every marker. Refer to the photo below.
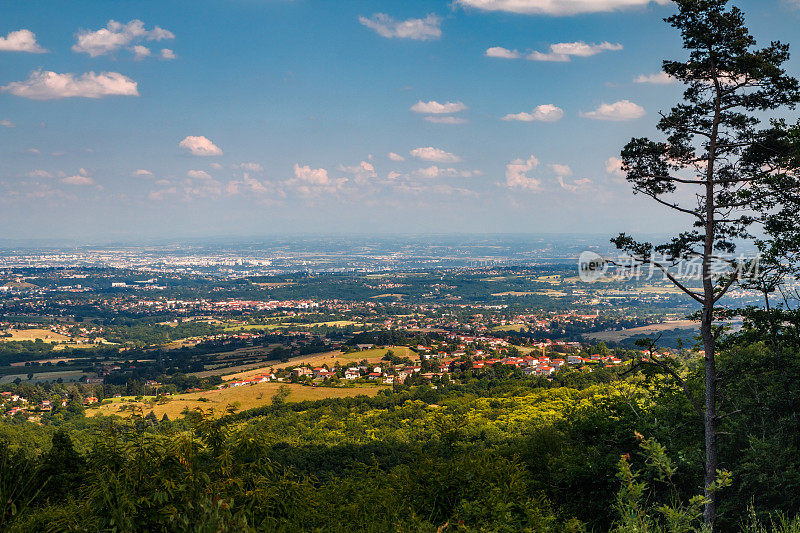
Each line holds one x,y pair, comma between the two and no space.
244,397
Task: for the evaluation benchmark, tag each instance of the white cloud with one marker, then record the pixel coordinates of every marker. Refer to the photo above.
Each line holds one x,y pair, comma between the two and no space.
435,108
436,172
618,111
660,78
254,185
556,7
216,166
141,173
313,176
33,151
542,113
565,51
167,54
251,167
435,188
251,185
162,193
517,174
81,178
202,188
39,174
446,120
436,155
140,52
395,157
614,167
200,145
362,173
21,41
48,85
560,170
575,185
504,53
115,36
199,175
418,29
7,123
310,181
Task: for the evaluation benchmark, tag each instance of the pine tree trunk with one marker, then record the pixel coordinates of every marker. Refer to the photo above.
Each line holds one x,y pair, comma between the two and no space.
710,418
706,330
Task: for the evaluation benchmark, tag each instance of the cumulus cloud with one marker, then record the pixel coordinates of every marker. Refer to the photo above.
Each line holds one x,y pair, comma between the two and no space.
117,35
575,185
141,173
517,174
556,7
395,157
618,111
504,53
446,120
162,194
437,172
361,173
48,85
252,185
435,188
435,108
560,170
21,41
251,167
614,167
201,146
140,52
660,78
167,54
565,51
309,181
436,155
542,113
81,178
39,174
7,123
201,185
199,175
314,176
418,29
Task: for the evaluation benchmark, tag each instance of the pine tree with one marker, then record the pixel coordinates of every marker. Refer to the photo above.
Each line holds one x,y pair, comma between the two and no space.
714,145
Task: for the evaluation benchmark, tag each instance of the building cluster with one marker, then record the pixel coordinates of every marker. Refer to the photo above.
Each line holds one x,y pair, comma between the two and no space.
12,404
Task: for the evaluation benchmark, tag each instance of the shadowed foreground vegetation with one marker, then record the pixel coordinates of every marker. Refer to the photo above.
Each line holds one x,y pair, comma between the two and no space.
490,455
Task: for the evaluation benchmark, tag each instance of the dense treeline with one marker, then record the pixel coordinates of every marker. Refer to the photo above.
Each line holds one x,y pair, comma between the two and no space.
492,454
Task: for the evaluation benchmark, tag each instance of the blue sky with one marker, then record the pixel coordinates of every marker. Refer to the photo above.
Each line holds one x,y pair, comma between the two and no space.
270,116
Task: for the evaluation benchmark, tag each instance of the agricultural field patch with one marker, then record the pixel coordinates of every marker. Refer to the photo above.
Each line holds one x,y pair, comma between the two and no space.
36,333
244,397
617,336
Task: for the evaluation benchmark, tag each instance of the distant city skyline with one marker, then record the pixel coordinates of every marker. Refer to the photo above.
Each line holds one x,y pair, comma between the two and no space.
165,120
